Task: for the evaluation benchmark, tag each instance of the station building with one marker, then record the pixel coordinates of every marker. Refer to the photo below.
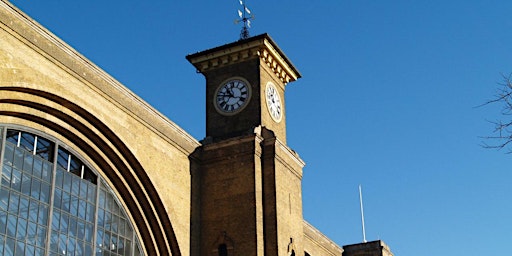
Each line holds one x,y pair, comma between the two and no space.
89,168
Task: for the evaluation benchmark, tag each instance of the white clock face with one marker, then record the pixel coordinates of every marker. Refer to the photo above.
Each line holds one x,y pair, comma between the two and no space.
232,96
273,102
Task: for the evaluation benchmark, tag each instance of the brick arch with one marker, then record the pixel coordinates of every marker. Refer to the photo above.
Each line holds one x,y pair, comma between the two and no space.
158,222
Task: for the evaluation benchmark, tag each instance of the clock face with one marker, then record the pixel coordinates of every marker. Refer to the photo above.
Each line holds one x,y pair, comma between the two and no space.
232,96
273,102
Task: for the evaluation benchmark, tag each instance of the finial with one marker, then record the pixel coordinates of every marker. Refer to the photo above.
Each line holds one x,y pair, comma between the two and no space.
245,17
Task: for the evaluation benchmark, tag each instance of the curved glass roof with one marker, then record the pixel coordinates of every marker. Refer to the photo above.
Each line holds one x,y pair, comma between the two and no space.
52,203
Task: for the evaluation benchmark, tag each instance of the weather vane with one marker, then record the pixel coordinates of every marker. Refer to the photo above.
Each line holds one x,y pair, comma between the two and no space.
245,17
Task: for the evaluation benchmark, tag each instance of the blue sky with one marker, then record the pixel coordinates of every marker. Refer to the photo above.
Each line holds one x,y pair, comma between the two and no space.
387,100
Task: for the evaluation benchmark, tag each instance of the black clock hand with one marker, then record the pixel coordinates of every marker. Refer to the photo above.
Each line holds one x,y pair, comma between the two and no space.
226,94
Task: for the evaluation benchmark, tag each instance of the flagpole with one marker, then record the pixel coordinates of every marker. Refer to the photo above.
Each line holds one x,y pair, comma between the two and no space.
362,212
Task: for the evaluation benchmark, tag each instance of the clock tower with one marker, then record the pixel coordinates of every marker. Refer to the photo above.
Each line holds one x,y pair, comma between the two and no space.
246,197
245,83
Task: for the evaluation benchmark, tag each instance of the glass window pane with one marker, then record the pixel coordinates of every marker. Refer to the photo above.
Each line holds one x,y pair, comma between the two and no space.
121,227
45,192
6,176
4,199
38,167
41,236
16,179
62,243
9,154
12,136
115,223
27,141
80,229
31,233
56,220
30,250
47,172
39,251
102,199
28,163
71,246
129,231
18,158
54,242
10,246
36,189
72,226
113,242
21,229
75,166
91,193
90,213
90,176
11,225
20,249
66,200
59,178
106,240
3,223
45,148
83,189
33,210
110,203
42,219
127,248
2,241
99,238
89,231
23,207
64,222
80,249
101,218
66,185
82,206
115,207
25,184
75,185
57,198
62,158
88,249
14,200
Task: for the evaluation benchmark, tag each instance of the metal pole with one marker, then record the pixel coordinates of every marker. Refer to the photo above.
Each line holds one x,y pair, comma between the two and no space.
362,213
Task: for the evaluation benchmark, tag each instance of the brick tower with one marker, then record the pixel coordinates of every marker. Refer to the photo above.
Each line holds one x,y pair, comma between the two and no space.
247,182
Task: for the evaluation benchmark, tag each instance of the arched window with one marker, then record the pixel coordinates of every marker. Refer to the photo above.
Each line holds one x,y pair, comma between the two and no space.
223,250
53,203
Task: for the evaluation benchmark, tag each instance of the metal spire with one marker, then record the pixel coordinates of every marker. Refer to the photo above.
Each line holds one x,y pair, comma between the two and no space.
245,17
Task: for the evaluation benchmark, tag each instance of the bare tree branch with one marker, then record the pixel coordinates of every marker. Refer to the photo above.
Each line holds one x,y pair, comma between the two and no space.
502,129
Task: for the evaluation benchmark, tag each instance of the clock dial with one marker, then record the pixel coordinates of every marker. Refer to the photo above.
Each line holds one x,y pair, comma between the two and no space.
273,102
232,96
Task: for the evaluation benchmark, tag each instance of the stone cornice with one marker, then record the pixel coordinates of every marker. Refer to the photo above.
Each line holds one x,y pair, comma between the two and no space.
207,146
320,240
234,146
261,46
